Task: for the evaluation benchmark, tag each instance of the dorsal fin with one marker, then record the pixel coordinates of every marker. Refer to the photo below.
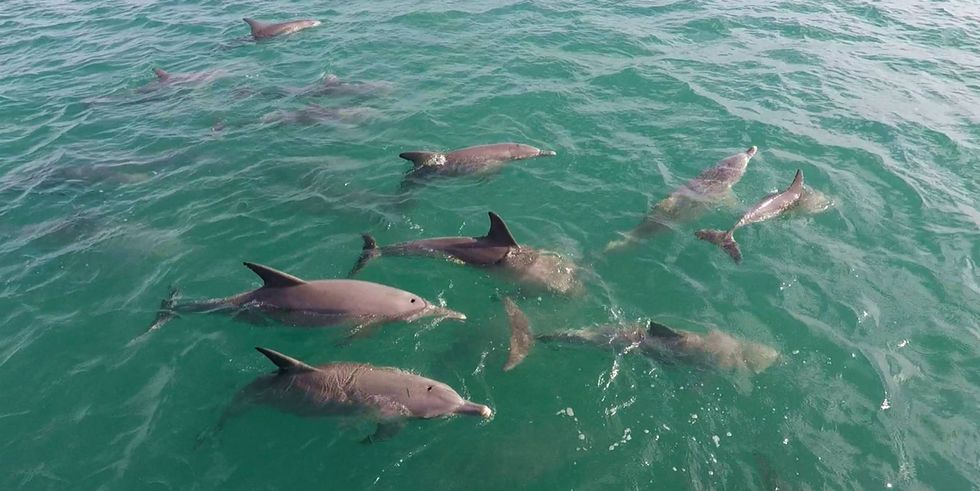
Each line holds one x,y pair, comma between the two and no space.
331,80
658,330
420,159
161,73
499,233
797,181
285,363
272,278
253,24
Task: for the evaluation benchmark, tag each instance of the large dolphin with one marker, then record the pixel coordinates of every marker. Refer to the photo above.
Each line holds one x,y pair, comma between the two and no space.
262,30
496,250
471,160
292,301
655,340
767,208
384,394
691,200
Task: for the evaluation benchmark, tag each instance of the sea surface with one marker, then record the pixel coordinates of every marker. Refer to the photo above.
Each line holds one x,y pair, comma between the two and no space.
113,188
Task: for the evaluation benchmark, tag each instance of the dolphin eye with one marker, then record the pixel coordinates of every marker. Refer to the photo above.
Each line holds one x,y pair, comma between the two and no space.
429,389
413,300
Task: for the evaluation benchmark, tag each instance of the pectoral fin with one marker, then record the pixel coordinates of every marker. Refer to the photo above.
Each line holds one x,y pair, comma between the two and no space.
385,431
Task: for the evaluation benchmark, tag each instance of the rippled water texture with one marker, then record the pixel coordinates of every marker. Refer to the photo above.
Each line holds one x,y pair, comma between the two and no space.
114,188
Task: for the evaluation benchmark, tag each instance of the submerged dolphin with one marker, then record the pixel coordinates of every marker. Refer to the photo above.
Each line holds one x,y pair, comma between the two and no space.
497,250
471,160
167,79
292,301
691,200
315,114
384,394
262,30
654,340
769,207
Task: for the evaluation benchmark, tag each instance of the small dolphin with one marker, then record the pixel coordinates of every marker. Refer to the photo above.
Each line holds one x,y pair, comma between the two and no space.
691,200
332,85
167,79
315,114
769,207
292,301
653,339
387,395
497,249
472,160
261,30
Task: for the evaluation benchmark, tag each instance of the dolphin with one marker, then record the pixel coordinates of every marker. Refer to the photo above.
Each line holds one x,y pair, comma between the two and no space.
315,114
387,395
332,85
767,208
654,340
295,302
471,160
261,30
497,250
167,79
691,200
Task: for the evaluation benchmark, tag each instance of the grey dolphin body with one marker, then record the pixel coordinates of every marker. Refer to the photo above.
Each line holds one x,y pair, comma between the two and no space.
315,114
497,250
262,30
691,200
167,79
767,208
471,160
655,340
292,301
387,395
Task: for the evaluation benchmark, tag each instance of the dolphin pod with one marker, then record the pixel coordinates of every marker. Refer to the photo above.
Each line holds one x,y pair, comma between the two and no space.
497,250
386,395
769,207
654,340
295,302
262,30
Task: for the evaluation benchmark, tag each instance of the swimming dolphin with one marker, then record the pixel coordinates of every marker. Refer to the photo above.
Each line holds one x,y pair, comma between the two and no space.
691,200
261,30
292,301
315,114
384,394
471,160
653,339
167,79
769,207
497,250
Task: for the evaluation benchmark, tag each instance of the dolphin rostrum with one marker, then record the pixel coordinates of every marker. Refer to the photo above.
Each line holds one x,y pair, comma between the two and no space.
387,395
497,250
292,301
767,208
471,160
691,200
262,30
652,339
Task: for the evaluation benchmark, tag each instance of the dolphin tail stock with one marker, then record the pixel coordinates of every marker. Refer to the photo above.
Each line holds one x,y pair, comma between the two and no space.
369,251
723,239
521,339
167,310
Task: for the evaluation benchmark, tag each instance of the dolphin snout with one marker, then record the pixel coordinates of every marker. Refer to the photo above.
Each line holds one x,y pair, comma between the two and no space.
474,409
315,23
752,150
548,153
445,313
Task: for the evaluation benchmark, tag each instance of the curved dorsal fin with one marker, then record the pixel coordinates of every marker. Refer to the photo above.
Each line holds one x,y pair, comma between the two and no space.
285,363
272,278
498,233
658,330
797,181
421,159
253,24
161,73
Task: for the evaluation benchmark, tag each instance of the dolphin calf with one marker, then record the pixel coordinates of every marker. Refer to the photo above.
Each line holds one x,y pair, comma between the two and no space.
167,79
691,200
262,30
292,301
767,208
471,160
497,250
384,394
655,340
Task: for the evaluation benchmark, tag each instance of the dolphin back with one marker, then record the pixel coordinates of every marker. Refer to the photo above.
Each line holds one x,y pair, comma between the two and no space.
521,339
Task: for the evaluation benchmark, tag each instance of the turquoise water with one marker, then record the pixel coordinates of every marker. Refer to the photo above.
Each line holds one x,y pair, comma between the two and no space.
111,194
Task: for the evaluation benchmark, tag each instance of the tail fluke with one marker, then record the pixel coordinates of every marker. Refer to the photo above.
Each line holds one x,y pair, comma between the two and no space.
521,339
166,312
722,239
368,252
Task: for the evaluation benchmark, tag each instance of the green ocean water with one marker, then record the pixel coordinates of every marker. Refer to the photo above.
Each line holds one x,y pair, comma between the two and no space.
111,192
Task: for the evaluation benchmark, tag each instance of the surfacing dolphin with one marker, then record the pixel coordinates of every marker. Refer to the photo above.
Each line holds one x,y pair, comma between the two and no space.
262,30
654,340
471,160
386,395
295,302
167,79
496,250
689,201
767,208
